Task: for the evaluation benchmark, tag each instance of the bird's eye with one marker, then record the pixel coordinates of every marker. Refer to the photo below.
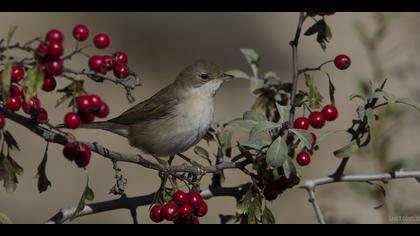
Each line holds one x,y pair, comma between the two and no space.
205,76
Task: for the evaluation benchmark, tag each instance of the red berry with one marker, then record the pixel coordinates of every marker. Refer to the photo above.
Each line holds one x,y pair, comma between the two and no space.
202,211
181,221
270,192
96,63
303,158
54,36
80,32
301,123
185,210
342,62
49,84
195,221
120,57
86,116
31,105
121,71
169,211
83,157
42,114
72,120
17,73
317,119
330,112
70,151
101,41
179,197
14,90
55,67
55,49
13,103
313,137
96,101
156,214
2,121
195,200
84,103
109,62
42,49
103,111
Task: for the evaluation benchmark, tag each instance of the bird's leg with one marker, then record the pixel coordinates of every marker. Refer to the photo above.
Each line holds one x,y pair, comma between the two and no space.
161,161
171,158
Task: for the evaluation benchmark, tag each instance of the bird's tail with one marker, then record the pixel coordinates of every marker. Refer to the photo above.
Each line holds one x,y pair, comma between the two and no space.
104,125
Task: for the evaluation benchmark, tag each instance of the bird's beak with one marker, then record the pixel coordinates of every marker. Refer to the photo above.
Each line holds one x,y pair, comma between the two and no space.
227,76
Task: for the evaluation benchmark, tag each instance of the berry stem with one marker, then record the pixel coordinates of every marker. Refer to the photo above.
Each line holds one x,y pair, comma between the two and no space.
319,68
77,51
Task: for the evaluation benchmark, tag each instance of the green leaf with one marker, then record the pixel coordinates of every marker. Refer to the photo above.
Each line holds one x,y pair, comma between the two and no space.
244,124
331,90
261,127
347,151
33,80
12,30
323,134
255,146
353,96
370,116
6,78
255,83
43,181
4,220
284,112
289,168
361,112
238,74
255,210
251,56
277,153
268,217
9,170
315,98
75,89
409,102
10,141
271,75
229,219
315,28
255,116
225,140
87,195
244,204
323,32
304,136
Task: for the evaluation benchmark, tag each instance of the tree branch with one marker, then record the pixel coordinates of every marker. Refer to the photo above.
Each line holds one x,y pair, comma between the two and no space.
132,203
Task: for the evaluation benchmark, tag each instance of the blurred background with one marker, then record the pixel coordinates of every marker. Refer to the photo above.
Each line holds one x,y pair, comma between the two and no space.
159,45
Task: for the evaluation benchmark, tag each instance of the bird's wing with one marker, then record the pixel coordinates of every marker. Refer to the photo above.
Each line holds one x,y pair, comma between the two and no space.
158,106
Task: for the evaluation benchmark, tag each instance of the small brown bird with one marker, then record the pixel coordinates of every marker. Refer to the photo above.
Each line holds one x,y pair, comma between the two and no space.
175,118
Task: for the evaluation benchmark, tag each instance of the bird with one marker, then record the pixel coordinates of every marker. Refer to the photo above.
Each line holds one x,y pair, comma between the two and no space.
174,119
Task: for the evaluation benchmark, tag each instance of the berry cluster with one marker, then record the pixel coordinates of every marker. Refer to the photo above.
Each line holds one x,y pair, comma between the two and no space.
117,62
88,107
276,187
185,208
317,120
79,153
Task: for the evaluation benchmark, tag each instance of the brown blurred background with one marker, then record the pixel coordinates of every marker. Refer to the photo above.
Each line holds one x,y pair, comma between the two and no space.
159,45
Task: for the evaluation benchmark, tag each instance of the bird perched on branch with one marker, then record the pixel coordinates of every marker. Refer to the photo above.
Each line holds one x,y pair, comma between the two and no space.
175,118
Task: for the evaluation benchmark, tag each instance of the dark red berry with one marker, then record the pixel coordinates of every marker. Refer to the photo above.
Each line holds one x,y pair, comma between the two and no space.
270,192
31,105
101,41
84,103
317,119
55,67
103,111
195,199
54,36
330,112
80,32
156,213
301,123
120,57
202,211
72,120
96,101
86,116
342,62
42,49
96,63
313,137
303,158
13,103
169,211
14,90
55,49
185,210
109,62
179,197
195,221
70,151
2,121
83,157
49,84
17,73
42,114
121,71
